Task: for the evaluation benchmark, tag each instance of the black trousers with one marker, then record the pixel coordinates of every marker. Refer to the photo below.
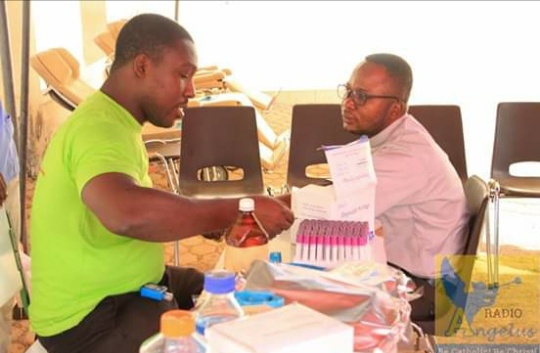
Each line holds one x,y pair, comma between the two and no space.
122,322
423,308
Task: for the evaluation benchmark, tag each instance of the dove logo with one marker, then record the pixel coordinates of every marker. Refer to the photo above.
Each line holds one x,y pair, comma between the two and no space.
482,317
468,302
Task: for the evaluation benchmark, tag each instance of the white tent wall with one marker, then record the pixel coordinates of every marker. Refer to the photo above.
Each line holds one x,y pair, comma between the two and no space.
461,52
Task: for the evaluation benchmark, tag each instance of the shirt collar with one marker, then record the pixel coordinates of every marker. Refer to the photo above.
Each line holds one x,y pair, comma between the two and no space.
122,112
381,137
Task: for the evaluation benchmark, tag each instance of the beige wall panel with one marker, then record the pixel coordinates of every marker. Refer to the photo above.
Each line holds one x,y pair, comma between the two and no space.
307,96
93,17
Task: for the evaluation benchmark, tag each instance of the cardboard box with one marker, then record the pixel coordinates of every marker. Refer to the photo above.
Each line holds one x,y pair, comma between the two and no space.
293,328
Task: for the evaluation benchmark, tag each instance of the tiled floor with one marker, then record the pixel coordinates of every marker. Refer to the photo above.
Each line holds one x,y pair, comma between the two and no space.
520,224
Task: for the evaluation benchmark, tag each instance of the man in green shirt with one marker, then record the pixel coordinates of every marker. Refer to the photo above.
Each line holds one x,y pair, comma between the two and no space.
97,225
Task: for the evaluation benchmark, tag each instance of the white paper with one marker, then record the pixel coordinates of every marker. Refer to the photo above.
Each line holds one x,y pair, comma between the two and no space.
360,207
354,181
312,201
351,168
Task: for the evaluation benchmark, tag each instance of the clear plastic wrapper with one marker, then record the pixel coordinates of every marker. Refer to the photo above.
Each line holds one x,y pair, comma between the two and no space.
372,297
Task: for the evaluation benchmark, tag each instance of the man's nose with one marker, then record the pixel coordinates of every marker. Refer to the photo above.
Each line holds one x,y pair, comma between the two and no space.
348,102
190,89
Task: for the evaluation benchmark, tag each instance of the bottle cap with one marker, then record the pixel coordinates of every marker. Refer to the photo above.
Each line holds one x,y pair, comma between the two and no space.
246,205
275,257
219,282
177,323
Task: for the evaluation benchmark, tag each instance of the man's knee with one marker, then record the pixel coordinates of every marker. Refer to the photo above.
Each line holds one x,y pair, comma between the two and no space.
184,283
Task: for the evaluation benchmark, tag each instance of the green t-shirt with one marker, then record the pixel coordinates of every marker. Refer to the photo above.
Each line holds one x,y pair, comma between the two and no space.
76,261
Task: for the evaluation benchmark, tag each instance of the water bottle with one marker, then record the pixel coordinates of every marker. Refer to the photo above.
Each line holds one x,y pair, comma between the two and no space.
219,304
245,240
176,335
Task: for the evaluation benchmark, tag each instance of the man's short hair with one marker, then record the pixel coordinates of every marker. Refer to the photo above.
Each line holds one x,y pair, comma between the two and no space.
149,34
398,69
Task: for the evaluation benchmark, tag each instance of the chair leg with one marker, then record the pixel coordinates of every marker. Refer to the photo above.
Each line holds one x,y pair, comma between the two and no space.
177,253
174,172
174,188
170,180
493,248
173,166
423,343
432,347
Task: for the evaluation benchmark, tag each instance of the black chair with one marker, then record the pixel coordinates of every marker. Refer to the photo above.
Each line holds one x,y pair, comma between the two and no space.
313,125
445,125
220,136
515,141
167,152
445,322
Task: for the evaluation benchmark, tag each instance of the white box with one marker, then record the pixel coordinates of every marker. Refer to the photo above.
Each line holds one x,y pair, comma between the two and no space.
293,328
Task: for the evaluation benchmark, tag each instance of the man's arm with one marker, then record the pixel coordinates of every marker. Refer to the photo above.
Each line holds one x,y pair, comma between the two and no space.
285,198
398,173
127,209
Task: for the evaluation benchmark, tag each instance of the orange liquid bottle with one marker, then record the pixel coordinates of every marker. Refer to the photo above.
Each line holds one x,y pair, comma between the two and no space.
245,240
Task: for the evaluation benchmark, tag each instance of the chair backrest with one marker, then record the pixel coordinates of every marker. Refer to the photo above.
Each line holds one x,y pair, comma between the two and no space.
215,137
312,126
445,125
516,137
115,27
477,194
105,42
60,70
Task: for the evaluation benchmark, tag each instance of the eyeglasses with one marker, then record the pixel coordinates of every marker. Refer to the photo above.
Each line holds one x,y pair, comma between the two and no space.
359,97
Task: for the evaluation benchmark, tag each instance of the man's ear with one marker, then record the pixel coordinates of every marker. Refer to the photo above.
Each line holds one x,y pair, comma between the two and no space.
399,108
140,65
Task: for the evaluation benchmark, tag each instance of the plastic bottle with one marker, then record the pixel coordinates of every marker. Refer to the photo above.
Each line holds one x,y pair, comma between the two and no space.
176,335
245,240
219,304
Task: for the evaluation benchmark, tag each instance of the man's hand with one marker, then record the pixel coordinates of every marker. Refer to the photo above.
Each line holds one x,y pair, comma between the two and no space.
216,235
274,215
3,190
